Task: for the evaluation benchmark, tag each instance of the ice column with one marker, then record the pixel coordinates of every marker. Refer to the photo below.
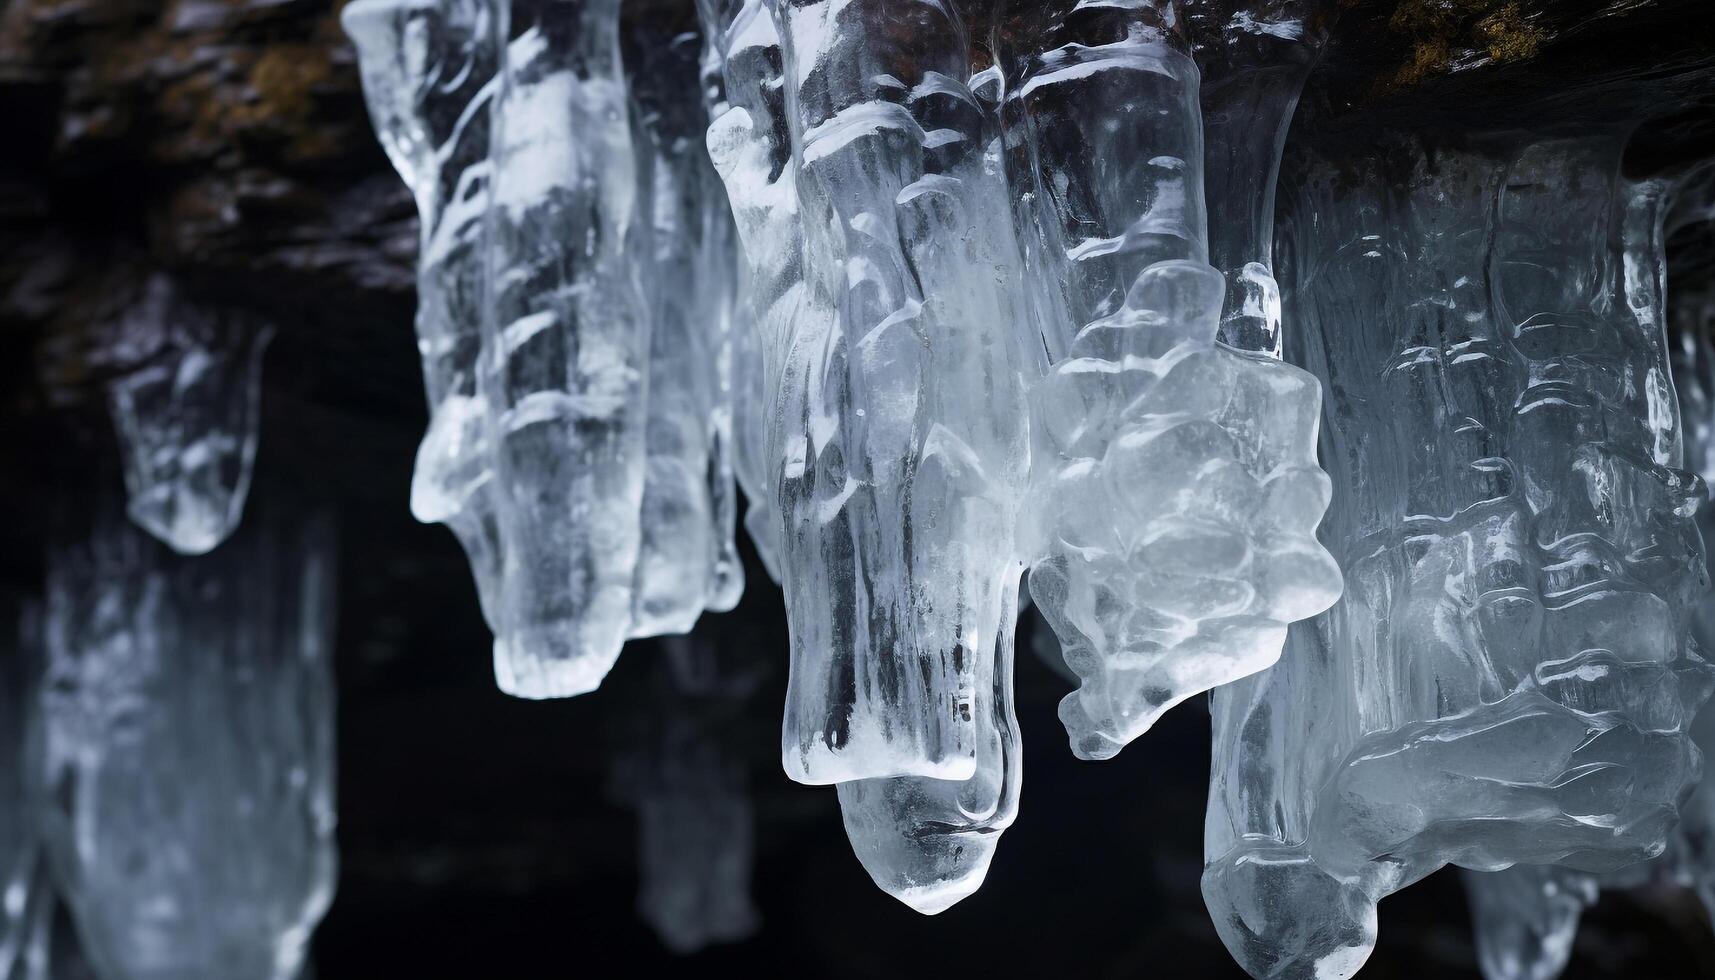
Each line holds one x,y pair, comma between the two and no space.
186,407
567,346
187,735
1506,680
430,72
696,830
687,560
1174,489
900,429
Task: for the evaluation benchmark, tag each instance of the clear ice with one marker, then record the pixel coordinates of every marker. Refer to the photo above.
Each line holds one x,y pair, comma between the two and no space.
430,72
187,749
566,349
1174,489
186,408
687,560
690,789
1506,679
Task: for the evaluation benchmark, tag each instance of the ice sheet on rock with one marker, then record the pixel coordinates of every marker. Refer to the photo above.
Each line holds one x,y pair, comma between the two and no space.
1254,56
686,560
567,335
187,732
430,75
1506,678
186,405
1174,488
897,439
678,770
929,842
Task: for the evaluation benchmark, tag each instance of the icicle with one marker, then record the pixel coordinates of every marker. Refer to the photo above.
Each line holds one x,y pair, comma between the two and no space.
1505,680
1526,918
187,740
25,896
186,410
430,75
687,559
566,368
1175,493
692,796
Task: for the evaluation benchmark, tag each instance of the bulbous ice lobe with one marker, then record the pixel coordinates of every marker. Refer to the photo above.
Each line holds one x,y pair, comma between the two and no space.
1506,679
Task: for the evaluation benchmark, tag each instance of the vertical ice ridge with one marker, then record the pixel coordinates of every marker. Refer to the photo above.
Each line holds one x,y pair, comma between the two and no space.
1174,486
186,407
566,403
187,749
901,425
1506,680
686,560
430,74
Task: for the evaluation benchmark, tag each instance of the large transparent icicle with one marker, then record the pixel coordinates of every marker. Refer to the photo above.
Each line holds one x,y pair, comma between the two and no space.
1506,679
567,346
187,739
186,409
1174,488
677,769
900,427
430,71
687,560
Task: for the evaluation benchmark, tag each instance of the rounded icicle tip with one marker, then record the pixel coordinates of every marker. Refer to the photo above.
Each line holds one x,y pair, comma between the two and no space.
929,864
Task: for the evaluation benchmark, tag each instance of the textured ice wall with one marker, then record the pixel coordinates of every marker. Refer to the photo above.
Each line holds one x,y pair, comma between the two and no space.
567,346
430,75
187,739
1174,489
1506,679
687,560
186,407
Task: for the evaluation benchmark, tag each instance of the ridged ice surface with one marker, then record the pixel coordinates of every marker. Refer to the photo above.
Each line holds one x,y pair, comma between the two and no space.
1506,678
430,76
187,739
567,350
186,408
686,560
898,431
678,769
1174,489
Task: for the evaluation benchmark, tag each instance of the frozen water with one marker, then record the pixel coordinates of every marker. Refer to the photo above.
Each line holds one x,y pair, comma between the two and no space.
187,733
186,409
1506,679
430,74
687,560
567,341
25,898
1174,489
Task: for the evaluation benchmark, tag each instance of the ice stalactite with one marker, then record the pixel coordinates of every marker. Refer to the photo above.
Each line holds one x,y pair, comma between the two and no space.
691,792
186,406
565,374
1174,487
687,560
1506,679
900,440
28,899
430,71
187,749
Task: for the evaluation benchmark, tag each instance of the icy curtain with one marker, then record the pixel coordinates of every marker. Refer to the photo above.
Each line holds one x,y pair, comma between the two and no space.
186,749
1507,678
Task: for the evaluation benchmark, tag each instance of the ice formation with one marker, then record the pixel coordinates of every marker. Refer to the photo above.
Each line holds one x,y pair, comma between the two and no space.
22,882
187,749
429,75
1174,489
678,770
686,560
1506,679
186,407
566,349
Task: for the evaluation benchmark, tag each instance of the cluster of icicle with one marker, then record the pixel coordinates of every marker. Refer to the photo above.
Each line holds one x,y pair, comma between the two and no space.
167,807
943,297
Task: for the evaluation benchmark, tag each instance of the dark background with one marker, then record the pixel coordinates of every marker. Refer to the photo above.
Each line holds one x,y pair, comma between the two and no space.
224,141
